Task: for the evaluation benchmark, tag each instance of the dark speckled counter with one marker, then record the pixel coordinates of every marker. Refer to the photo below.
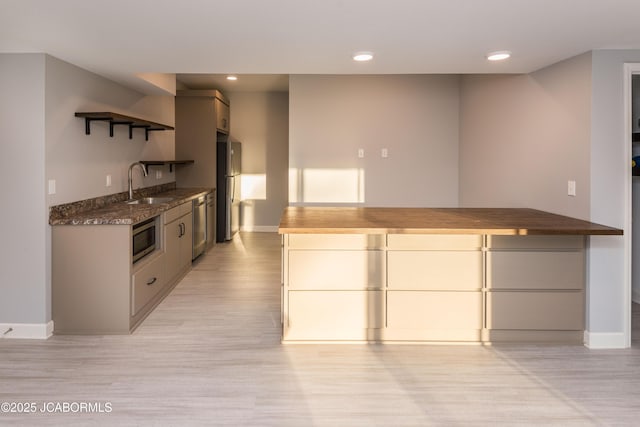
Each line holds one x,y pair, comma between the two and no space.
113,209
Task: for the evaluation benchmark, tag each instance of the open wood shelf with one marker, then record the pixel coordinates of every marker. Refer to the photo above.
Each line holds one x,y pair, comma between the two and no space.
166,162
120,119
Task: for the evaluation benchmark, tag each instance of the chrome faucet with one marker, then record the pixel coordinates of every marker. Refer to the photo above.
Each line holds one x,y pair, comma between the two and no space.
144,171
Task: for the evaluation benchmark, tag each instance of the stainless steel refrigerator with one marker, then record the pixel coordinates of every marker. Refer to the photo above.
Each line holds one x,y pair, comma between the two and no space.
229,161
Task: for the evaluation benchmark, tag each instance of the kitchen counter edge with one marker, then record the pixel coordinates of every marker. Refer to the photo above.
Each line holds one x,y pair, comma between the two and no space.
121,213
488,221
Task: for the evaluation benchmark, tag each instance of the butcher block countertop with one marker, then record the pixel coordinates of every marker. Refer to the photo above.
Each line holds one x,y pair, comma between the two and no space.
493,221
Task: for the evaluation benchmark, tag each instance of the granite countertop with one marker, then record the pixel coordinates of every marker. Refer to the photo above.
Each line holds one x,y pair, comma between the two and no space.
113,209
494,221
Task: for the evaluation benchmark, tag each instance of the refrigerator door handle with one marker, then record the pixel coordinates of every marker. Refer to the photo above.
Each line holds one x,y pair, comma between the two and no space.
233,189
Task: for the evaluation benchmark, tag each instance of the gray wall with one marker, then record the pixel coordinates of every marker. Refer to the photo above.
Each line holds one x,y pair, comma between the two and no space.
23,270
524,136
414,117
260,120
609,196
45,141
80,163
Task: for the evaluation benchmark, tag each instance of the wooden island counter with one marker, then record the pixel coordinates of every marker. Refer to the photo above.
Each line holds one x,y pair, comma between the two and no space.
433,275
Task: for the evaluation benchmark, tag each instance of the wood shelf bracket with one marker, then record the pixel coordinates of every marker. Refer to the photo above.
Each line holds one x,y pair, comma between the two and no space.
115,119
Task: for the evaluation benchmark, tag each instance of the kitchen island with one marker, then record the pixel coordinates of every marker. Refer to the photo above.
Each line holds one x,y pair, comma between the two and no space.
433,275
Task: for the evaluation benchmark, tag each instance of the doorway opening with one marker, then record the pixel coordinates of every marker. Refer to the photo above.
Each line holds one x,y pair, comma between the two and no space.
632,140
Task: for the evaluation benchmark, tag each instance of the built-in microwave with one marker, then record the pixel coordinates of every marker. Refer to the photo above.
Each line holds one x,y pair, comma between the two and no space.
143,239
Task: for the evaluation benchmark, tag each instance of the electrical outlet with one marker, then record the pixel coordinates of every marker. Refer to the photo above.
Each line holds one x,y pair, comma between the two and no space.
384,153
571,188
158,174
52,186
361,153
108,181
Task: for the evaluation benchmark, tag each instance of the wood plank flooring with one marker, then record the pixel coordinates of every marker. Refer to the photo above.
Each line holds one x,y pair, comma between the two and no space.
210,355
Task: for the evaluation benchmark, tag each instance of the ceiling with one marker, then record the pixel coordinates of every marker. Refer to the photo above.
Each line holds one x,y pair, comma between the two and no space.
121,38
245,82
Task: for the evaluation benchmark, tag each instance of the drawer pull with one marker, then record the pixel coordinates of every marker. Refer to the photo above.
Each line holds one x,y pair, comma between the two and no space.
152,281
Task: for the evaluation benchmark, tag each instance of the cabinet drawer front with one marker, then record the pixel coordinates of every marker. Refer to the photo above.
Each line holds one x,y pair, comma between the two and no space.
172,214
536,242
321,270
535,270
434,310
146,283
535,310
175,213
437,270
336,241
435,241
336,310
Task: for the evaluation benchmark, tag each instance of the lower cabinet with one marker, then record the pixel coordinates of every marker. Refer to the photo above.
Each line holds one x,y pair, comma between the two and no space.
471,288
434,316
535,288
91,279
434,288
178,238
535,310
95,287
146,283
335,315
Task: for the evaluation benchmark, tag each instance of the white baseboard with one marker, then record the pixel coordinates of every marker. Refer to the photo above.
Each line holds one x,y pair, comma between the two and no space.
34,331
604,340
260,228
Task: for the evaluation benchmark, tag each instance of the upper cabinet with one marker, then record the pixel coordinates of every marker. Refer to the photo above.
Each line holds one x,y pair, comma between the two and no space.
202,119
222,115
220,105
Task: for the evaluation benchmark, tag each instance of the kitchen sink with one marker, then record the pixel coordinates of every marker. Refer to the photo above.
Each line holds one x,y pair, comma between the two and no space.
150,201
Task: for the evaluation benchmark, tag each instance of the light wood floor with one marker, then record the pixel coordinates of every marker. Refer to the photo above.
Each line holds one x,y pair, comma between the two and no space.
210,355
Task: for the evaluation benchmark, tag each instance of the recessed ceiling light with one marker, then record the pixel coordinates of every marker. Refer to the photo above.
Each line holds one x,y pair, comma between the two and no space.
363,56
233,78
499,56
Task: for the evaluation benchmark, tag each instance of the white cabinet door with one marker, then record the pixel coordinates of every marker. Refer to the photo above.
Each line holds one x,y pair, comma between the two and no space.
435,270
555,310
434,310
347,270
535,270
334,315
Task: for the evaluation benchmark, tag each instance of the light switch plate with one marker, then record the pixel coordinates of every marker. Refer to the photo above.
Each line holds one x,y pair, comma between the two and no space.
571,188
52,186
361,153
108,181
384,153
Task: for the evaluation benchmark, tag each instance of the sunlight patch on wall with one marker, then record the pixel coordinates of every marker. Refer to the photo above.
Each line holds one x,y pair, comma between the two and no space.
248,214
326,185
253,186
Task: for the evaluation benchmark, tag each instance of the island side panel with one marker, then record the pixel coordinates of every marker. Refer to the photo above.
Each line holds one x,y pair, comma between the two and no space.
535,288
91,286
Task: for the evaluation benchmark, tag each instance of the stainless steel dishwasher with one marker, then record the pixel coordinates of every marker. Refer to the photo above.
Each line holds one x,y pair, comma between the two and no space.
211,219
199,226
